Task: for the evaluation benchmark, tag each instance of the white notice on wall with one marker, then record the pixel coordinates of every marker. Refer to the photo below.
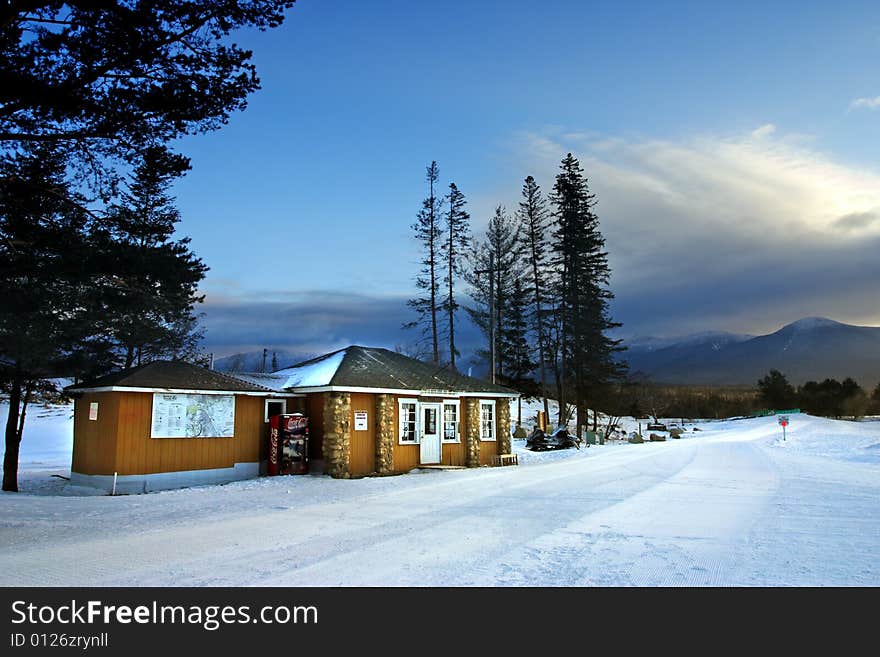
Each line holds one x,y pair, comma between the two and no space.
93,411
360,420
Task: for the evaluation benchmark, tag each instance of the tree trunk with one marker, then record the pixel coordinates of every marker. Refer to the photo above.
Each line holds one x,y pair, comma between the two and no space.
451,306
23,414
560,397
13,440
539,318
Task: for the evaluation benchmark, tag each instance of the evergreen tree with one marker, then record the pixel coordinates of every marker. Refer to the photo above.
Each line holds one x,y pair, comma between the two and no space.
587,357
455,242
428,233
103,80
515,341
274,362
495,265
534,219
47,285
776,391
155,276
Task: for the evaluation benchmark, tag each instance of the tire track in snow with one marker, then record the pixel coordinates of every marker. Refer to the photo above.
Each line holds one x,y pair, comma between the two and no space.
455,517
680,532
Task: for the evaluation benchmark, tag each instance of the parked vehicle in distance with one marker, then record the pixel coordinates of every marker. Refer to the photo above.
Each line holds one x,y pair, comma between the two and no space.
539,441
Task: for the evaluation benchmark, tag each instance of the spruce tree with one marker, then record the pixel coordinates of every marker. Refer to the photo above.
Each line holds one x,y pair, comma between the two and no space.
455,242
156,276
518,354
103,80
47,285
534,219
428,233
495,265
588,357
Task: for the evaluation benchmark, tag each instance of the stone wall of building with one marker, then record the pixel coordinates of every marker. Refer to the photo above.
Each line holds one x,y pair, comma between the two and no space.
472,432
502,409
385,432
337,434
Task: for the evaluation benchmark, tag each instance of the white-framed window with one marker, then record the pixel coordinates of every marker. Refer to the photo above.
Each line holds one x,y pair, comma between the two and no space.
408,421
487,419
274,407
451,421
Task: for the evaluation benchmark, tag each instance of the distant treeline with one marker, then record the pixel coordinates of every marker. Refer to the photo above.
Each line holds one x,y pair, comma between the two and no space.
656,400
829,398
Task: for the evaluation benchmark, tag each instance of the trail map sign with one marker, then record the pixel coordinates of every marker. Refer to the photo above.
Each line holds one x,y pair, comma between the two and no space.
193,416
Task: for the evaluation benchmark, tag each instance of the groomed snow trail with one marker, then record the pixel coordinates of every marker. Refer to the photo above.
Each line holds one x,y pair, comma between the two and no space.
728,506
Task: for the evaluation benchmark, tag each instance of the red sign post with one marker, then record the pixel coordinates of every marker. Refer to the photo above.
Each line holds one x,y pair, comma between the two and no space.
783,422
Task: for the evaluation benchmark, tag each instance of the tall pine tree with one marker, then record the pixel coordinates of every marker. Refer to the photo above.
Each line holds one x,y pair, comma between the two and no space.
48,285
495,266
533,226
428,233
587,357
156,276
455,242
519,352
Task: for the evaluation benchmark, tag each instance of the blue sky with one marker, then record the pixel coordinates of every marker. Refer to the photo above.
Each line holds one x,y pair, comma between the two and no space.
734,162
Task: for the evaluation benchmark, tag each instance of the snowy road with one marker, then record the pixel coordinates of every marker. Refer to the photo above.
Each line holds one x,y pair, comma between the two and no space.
731,505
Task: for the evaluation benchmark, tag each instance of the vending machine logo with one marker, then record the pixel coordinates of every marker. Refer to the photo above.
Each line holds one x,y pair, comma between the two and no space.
273,446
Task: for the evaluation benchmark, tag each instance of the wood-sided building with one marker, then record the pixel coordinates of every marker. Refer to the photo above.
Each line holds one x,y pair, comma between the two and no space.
169,425
371,411
375,411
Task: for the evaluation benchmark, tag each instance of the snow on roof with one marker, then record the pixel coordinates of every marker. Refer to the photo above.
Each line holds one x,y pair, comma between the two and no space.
270,380
313,373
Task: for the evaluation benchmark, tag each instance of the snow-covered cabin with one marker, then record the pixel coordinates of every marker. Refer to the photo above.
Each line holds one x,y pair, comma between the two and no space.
169,424
370,410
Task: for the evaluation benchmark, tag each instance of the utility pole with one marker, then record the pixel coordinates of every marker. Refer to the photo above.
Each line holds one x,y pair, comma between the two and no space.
491,272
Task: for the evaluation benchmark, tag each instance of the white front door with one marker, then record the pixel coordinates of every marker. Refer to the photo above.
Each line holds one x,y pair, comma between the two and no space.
430,438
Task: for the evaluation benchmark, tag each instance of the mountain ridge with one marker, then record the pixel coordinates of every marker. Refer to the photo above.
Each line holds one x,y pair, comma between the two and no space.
811,348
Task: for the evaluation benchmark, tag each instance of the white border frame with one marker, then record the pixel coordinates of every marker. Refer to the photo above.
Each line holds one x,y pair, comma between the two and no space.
400,402
494,438
457,404
273,400
438,406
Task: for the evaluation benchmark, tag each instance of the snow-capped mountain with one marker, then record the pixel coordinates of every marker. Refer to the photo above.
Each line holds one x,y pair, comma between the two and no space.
812,348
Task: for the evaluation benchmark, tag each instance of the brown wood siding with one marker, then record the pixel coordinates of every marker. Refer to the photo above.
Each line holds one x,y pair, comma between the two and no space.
94,441
363,443
315,413
251,429
137,453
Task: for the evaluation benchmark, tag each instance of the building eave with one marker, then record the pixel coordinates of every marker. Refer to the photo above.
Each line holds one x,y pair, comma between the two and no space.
187,391
402,391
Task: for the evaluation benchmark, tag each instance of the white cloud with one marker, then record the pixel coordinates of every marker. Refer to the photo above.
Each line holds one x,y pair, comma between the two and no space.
725,229
866,103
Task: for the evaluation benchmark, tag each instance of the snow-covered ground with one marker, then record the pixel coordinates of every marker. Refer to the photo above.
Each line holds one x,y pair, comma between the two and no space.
731,504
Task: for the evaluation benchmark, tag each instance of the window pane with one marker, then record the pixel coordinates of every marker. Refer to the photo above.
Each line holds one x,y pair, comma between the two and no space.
430,421
408,423
450,422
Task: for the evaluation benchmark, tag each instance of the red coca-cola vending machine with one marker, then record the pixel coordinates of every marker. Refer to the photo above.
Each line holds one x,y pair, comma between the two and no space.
288,444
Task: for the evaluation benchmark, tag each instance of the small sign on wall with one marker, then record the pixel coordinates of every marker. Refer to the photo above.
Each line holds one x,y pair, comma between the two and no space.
360,420
93,411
